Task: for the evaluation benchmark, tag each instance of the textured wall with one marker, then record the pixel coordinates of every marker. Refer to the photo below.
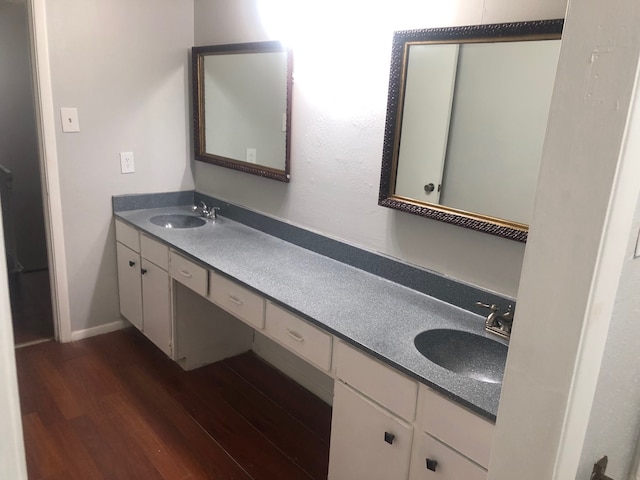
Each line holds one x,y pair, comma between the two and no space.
340,94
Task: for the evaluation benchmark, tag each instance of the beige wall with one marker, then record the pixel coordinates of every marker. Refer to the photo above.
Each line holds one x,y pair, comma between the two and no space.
125,66
340,94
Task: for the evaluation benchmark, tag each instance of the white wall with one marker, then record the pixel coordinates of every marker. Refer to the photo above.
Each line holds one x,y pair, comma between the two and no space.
18,141
341,66
614,422
125,66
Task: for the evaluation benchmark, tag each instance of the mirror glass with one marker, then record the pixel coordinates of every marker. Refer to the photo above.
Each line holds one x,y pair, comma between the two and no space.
466,121
242,107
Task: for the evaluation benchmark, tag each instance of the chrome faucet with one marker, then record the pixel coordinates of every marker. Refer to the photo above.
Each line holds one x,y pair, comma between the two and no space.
500,324
206,211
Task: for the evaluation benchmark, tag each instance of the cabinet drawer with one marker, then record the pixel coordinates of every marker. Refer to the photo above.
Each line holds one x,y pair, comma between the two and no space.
155,252
128,236
188,273
376,380
237,300
450,464
301,337
456,426
367,442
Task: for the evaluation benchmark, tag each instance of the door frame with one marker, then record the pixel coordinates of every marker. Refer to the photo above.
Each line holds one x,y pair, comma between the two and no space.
49,169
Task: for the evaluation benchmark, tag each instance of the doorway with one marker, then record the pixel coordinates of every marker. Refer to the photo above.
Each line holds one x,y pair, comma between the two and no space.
20,184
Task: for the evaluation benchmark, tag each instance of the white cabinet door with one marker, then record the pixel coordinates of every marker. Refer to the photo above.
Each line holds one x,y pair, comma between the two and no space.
129,285
367,442
156,306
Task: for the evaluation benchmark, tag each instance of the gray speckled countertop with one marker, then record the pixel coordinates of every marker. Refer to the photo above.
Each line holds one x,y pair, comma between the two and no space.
376,315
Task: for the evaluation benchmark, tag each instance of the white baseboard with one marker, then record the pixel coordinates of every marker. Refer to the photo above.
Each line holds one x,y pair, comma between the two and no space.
316,381
99,330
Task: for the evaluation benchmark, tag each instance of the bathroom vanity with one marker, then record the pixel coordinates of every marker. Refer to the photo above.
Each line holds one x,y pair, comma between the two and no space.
200,293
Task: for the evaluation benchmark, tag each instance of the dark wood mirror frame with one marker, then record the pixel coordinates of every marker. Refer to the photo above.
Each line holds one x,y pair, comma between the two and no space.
533,30
197,63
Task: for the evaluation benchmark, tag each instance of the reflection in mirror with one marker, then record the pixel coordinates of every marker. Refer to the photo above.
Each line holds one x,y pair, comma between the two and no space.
466,121
242,107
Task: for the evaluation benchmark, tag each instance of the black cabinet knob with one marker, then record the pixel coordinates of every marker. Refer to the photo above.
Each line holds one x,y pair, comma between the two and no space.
432,464
131,263
389,437
143,271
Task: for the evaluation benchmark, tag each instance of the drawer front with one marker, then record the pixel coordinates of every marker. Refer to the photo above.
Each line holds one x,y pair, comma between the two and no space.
456,426
299,336
237,300
128,236
376,380
188,273
155,252
450,464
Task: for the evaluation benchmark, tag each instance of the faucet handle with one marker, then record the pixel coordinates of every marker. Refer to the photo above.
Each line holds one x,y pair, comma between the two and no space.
493,307
508,315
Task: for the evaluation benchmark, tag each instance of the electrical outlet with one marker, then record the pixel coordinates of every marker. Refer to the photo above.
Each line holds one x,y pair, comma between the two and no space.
126,162
69,118
251,155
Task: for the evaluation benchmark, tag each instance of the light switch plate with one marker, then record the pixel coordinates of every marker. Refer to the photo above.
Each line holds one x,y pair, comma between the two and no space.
126,162
70,121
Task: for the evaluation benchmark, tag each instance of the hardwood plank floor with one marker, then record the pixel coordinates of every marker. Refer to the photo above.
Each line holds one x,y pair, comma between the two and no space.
115,407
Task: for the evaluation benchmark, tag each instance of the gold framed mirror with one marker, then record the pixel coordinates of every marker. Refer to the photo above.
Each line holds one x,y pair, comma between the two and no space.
242,107
466,118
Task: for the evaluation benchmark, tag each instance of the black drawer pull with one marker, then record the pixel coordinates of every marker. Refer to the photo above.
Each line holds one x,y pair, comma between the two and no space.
143,271
389,437
432,464
131,263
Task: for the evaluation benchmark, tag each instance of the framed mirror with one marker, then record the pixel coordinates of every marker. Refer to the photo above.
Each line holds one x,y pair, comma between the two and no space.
466,119
242,107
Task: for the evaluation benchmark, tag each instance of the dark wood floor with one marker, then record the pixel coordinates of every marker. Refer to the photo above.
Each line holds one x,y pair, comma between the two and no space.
31,306
114,407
